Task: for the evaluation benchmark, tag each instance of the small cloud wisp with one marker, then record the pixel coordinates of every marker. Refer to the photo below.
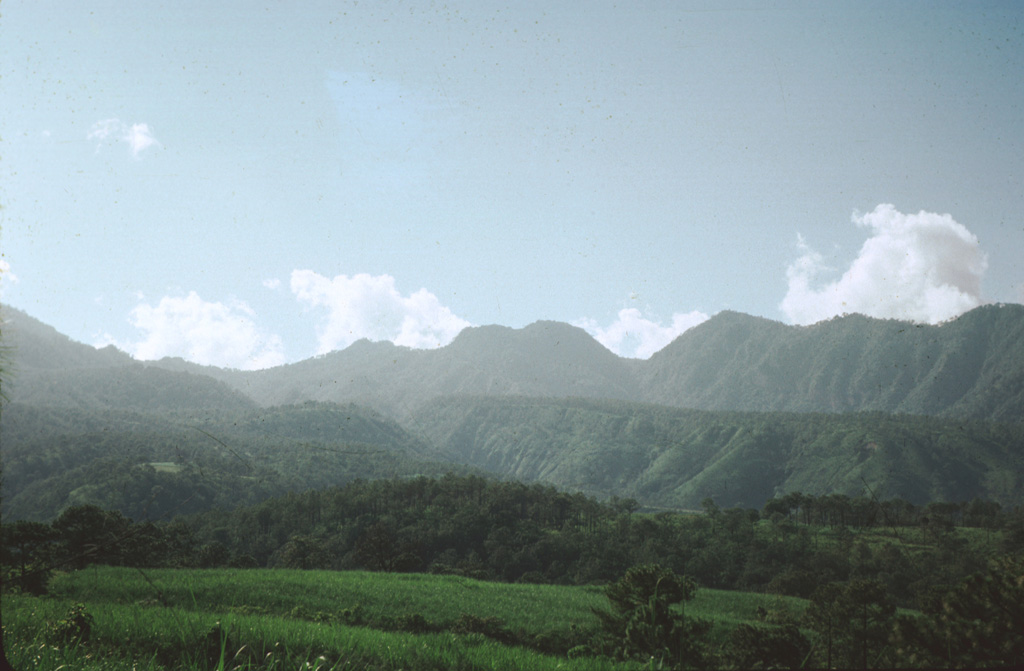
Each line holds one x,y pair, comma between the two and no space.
6,275
137,136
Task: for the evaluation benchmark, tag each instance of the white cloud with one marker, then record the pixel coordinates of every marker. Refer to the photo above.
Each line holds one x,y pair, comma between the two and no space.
6,276
922,267
138,136
208,333
632,335
272,283
365,306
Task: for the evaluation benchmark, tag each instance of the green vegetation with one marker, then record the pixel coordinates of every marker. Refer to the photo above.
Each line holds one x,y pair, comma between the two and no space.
121,618
673,458
165,617
153,637
971,367
465,528
645,623
509,532
153,466
380,600
87,426
155,517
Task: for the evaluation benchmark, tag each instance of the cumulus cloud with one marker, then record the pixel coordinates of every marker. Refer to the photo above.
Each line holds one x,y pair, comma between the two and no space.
922,267
632,335
365,306
272,283
137,136
208,333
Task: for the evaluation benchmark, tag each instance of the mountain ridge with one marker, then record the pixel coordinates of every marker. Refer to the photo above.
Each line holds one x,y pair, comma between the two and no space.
849,364
971,366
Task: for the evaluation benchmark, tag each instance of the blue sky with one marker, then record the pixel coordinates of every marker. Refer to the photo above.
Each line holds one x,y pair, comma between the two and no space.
247,184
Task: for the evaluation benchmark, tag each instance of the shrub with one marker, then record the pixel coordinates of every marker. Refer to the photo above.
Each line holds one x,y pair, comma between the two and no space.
354,616
491,627
415,624
74,628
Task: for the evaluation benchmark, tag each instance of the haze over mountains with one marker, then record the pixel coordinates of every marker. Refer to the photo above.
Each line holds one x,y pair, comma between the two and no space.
715,413
972,366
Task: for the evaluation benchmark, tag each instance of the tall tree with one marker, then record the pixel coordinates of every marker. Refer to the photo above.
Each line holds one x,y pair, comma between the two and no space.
88,534
851,622
979,623
645,623
27,546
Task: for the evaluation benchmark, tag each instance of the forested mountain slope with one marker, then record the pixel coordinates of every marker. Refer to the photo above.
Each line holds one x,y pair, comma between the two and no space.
132,387
675,458
32,344
972,366
150,465
49,369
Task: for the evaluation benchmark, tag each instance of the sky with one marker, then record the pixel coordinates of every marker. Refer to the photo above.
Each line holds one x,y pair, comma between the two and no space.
246,184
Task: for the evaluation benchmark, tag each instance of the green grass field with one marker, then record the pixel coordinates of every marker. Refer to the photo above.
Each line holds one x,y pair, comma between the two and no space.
282,592
280,619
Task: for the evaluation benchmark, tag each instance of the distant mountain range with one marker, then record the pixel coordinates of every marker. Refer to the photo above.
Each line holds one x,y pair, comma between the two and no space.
971,367
738,408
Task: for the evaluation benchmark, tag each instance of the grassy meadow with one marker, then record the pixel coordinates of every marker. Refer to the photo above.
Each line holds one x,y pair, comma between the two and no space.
290,619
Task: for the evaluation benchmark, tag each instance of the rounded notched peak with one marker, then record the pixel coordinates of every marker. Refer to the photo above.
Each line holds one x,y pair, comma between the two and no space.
543,334
480,331
367,345
536,329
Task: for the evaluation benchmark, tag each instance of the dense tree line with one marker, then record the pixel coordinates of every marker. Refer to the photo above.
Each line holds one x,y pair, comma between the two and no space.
797,545
839,510
509,531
